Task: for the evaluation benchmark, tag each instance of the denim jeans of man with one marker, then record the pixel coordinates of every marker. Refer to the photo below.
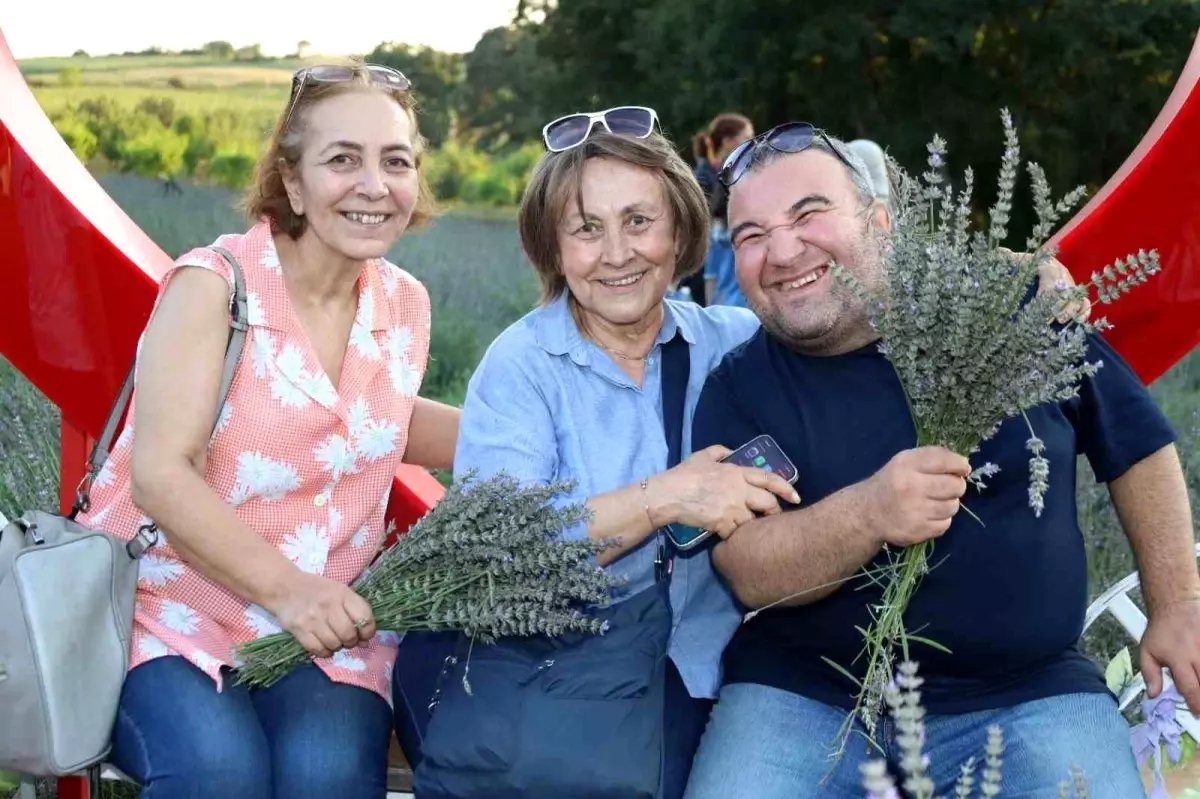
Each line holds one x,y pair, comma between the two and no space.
767,743
414,682
305,736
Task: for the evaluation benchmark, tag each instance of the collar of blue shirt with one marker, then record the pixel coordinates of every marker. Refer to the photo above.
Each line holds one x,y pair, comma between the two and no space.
556,332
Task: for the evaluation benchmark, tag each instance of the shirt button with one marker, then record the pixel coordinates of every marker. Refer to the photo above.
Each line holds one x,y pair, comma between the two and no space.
319,499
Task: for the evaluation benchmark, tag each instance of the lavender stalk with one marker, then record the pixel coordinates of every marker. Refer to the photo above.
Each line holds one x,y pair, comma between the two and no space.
488,559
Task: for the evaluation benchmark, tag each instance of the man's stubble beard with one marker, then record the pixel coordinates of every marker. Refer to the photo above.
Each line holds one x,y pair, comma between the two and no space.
847,325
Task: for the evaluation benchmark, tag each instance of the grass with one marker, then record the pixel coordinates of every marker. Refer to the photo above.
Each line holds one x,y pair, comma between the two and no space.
258,103
92,66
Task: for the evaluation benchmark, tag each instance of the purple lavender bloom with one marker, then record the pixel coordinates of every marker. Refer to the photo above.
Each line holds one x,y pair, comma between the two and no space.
1159,728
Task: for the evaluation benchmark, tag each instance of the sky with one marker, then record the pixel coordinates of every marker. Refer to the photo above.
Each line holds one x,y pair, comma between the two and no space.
60,27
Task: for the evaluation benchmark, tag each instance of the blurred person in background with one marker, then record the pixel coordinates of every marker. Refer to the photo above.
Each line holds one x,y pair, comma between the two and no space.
717,285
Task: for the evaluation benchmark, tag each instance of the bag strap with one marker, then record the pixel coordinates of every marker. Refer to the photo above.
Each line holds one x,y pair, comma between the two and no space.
239,313
676,369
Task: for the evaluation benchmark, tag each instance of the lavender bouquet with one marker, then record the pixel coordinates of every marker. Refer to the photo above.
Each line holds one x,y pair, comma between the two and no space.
970,348
488,559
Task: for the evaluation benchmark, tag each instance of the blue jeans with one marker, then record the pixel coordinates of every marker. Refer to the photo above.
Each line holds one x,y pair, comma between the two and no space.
305,736
772,744
415,678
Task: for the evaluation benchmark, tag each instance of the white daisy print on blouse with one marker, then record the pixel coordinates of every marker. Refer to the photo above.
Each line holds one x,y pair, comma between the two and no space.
124,439
345,660
206,662
158,570
105,475
179,617
259,476
255,314
285,385
387,637
270,260
319,386
308,548
262,622
360,537
150,646
361,337
399,340
405,380
336,456
335,521
378,440
358,417
263,353
389,275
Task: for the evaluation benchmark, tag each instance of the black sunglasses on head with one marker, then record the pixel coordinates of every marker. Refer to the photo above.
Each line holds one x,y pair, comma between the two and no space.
790,137
340,73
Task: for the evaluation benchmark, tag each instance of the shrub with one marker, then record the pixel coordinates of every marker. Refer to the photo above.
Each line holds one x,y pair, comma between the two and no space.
231,170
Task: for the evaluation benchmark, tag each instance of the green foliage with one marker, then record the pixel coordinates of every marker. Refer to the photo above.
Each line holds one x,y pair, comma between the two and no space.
216,139
69,76
28,446
1086,77
435,77
231,170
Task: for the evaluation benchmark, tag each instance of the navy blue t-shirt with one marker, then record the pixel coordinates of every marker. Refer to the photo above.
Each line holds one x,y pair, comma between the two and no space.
1007,599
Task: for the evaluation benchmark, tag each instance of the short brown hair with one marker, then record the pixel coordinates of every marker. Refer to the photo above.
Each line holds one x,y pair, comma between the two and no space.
266,196
557,177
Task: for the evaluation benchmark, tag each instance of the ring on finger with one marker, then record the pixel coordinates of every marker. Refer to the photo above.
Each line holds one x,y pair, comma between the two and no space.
360,623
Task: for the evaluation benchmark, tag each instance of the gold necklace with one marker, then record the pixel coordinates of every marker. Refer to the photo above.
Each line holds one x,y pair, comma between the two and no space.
621,355
582,326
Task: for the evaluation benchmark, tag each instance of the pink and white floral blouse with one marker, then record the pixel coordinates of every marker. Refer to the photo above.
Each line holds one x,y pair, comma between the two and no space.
304,463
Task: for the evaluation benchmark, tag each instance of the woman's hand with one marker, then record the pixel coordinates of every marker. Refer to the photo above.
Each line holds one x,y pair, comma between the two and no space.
705,493
323,615
1053,275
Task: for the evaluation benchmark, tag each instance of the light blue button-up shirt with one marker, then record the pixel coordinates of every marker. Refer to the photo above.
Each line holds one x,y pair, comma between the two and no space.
546,404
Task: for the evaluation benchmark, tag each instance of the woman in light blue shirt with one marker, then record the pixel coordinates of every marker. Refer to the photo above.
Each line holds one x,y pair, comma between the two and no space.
572,391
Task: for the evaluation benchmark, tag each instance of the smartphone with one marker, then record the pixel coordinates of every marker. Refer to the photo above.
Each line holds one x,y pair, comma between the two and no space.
760,452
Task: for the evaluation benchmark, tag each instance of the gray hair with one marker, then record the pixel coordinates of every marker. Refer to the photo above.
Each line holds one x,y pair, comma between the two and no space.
856,168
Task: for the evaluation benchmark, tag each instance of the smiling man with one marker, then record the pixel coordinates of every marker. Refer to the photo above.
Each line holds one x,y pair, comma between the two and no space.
1007,601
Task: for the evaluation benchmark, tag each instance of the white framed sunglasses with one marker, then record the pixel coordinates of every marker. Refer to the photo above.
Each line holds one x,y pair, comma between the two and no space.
573,130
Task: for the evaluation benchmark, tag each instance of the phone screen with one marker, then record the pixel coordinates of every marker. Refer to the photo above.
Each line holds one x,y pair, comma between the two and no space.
763,453
760,452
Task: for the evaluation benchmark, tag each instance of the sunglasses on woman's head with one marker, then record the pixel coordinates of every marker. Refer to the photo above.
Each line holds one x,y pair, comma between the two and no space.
340,73
573,130
790,137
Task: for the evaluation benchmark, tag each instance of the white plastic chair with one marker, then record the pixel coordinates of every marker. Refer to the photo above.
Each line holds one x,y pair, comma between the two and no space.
1116,602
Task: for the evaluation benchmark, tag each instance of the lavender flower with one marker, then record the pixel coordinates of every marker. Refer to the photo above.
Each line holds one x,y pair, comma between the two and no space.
903,698
969,348
1159,730
488,559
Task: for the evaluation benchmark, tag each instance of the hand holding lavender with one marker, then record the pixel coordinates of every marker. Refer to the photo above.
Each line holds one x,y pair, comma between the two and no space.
489,559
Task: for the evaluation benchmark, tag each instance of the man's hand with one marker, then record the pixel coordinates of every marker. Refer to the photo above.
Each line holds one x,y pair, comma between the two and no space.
1172,640
915,496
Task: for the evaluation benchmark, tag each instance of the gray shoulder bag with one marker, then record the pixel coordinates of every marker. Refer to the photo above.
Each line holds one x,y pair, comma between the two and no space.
66,608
